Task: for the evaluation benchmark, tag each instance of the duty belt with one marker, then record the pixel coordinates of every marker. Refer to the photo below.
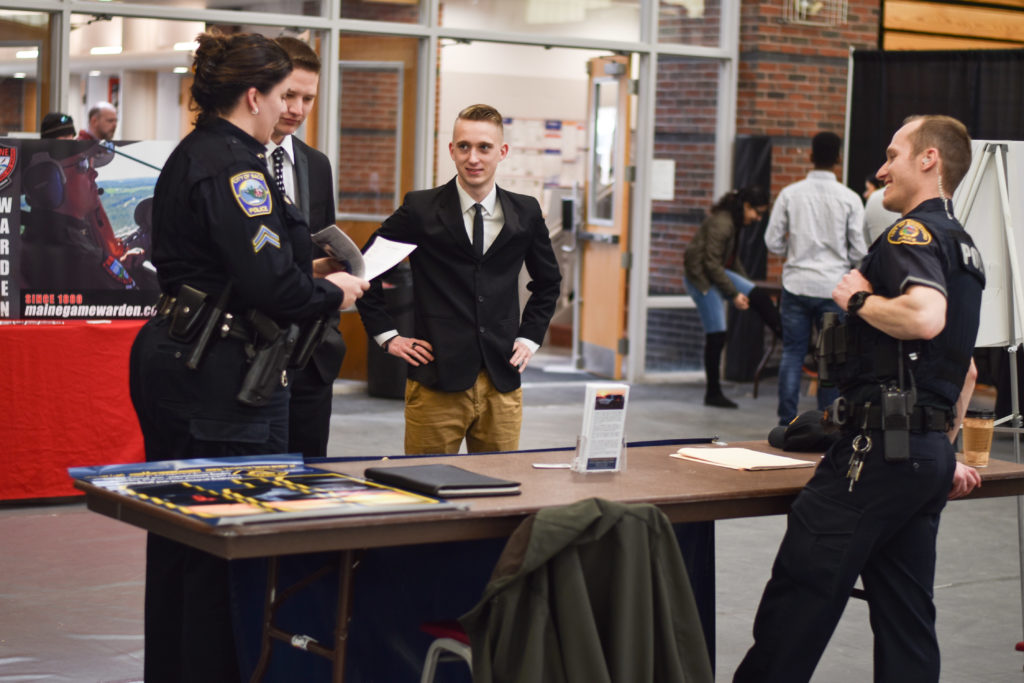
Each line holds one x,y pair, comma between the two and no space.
922,419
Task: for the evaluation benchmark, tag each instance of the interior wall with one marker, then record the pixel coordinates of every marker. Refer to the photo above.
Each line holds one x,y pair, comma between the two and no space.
520,81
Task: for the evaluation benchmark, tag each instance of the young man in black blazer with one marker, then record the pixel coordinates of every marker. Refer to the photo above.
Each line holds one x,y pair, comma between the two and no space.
306,176
470,343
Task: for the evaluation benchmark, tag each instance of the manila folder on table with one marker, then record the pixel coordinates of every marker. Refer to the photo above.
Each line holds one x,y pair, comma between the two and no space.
740,458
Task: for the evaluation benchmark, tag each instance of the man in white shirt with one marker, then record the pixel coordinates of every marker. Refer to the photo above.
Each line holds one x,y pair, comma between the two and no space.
817,224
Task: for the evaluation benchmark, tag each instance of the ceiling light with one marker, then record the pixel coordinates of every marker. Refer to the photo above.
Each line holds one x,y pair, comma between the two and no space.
19,74
106,50
27,54
95,74
180,70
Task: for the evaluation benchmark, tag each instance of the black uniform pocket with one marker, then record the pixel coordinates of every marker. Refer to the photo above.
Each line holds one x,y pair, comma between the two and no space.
205,429
819,537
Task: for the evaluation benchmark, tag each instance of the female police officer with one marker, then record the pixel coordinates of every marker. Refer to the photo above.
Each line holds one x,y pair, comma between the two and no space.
233,258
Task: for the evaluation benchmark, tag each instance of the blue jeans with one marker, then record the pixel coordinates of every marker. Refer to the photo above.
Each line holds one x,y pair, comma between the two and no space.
799,314
711,306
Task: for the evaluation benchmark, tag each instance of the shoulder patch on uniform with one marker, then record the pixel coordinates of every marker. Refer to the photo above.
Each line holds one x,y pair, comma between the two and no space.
909,231
264,237
251,193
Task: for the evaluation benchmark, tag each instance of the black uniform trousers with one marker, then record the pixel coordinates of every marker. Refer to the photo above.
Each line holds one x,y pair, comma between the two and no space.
189,630
884,531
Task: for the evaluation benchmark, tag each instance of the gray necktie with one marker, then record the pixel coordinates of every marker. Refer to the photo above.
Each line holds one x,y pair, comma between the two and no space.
478,230
278,155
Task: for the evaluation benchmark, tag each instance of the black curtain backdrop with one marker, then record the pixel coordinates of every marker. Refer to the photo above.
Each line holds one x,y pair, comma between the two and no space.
752,165
982,88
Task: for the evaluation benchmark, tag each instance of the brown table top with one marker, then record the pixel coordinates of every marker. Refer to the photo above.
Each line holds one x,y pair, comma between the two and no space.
685,491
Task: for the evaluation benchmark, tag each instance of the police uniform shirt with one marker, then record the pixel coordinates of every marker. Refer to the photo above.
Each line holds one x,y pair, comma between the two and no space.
908,254
219,218
928,248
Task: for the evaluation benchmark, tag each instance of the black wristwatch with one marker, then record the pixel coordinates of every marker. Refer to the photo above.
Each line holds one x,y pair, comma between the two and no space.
856,302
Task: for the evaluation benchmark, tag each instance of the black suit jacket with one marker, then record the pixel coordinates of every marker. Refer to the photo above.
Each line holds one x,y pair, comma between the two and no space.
314,190
466,306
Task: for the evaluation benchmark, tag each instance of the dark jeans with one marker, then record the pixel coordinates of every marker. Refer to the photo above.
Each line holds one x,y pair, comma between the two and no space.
799,315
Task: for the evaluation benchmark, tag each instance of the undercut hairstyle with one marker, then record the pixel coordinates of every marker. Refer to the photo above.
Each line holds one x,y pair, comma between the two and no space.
733,201
950,137
825,148
299,51
482,112
225,67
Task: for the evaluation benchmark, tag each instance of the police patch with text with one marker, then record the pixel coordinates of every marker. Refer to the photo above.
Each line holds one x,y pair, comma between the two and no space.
252,194
909,231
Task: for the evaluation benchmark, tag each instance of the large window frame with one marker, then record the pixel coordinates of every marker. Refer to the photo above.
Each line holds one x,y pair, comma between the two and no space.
647,51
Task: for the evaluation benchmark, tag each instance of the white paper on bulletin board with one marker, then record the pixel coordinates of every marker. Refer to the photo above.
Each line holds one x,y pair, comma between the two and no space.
663,179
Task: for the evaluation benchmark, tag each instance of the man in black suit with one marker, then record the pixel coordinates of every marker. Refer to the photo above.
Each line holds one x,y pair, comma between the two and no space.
305,175
471,343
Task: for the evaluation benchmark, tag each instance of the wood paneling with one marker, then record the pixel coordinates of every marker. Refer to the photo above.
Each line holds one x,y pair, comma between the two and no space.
947,25
901,40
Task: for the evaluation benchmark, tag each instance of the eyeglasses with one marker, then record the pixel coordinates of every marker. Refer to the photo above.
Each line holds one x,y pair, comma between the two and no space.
83,165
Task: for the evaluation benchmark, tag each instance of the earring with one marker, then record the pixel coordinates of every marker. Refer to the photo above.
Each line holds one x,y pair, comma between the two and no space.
255,111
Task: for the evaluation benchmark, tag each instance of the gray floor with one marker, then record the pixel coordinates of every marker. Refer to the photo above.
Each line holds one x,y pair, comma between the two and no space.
71,591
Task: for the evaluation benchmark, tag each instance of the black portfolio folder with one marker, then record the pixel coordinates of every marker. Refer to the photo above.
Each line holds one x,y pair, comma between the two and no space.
442,481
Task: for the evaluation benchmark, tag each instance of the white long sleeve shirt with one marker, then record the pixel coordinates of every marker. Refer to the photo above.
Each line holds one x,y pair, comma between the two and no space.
817,224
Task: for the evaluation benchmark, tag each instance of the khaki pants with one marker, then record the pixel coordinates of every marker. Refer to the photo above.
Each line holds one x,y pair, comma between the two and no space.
437,421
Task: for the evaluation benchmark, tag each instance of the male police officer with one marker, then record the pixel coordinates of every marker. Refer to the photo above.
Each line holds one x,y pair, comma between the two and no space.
904,369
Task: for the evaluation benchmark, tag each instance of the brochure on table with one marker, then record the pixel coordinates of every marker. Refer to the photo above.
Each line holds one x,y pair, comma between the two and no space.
602,445
244,490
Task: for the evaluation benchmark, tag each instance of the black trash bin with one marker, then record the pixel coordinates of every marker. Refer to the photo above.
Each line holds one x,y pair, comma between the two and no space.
385,374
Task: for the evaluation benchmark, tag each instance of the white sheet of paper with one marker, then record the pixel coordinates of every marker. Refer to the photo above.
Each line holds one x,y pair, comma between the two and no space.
740,458
383,255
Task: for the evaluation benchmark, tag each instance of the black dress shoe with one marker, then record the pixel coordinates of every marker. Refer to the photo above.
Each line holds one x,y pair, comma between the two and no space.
719,401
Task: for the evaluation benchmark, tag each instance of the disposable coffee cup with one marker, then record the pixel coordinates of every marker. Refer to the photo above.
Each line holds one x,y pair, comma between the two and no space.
977,435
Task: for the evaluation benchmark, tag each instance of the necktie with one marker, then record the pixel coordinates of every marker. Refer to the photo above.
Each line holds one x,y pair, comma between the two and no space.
278,155
478,230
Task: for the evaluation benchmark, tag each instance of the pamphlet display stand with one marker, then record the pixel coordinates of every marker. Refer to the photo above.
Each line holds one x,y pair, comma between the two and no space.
601,445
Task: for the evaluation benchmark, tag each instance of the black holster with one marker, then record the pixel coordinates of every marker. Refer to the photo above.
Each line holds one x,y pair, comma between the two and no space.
269,364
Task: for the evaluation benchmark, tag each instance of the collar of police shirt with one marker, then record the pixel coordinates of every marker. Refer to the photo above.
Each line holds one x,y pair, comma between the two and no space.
494,217
289,165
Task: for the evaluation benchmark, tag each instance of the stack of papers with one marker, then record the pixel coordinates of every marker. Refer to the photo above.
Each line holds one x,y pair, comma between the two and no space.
740,458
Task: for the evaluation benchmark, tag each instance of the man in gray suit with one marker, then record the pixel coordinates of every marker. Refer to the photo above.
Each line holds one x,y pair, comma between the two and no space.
305,175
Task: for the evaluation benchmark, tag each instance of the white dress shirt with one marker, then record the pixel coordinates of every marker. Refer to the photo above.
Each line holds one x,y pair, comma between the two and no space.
818,225
288,165
494,217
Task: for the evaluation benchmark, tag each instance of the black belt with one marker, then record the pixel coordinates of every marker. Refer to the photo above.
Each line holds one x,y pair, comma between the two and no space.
922,419
228,326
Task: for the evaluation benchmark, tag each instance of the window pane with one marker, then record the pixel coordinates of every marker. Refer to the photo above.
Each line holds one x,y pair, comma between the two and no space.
674,340
25,51
376,128
306,8
370,136
402,11
684,141
690,22
142,67
684,134
608,19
